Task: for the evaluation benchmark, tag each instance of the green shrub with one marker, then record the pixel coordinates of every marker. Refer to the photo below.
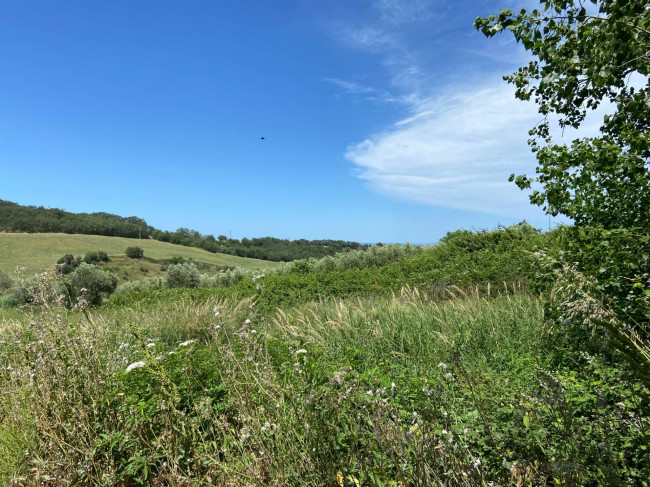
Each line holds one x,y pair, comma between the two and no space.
96,257
66,259
134,252
139,285
68,263
182,275
227,277
90,283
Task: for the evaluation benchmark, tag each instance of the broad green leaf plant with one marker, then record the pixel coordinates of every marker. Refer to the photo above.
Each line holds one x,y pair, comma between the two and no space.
586,53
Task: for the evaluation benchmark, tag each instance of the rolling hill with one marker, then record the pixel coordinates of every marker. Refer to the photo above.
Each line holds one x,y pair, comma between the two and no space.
36,252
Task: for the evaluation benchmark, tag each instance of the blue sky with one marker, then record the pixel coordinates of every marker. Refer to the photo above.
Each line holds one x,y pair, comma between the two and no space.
383,120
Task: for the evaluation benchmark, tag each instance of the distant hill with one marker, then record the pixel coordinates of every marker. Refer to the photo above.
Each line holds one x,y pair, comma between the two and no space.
36,252
37,219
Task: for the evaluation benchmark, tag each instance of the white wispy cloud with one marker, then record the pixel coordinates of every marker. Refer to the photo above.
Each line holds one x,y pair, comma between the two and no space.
455,151
368,38
458,145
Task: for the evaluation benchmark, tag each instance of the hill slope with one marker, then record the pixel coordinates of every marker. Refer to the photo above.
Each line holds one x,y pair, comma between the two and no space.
33,219
39,251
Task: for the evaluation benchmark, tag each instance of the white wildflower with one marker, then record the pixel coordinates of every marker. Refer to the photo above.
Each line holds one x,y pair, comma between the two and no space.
443,366
151,345
302,350
247,322
186,343
135,365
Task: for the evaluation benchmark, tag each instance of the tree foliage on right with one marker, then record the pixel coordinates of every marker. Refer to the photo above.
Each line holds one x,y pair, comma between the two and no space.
586,54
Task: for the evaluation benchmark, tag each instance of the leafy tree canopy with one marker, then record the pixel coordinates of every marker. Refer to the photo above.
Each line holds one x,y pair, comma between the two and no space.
586,52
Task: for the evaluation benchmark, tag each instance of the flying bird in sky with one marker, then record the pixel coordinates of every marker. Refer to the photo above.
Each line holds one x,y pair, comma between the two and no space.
261,138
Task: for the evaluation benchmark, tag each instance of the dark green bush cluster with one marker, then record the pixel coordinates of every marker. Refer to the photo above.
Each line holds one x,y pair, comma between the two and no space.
89,283
68,263
96,257
598,281
490,261
134,252
32,219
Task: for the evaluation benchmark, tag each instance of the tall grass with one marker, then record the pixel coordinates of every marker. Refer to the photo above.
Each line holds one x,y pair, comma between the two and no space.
393,390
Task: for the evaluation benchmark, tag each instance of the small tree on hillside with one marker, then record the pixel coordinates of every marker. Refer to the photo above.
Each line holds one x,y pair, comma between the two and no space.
91,283
182,275
134,252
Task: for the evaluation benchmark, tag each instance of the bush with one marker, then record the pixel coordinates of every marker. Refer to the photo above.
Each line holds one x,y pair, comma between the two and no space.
68,263
96,257
226,277
182,275
134,252
139,285
91,283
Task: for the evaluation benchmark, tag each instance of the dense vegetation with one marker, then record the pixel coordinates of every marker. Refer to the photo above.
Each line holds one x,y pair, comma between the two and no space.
32,219
36,219
583,57
332,372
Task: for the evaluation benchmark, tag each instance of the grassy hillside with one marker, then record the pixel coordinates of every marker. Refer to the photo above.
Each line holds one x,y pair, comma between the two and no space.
39,251
32,219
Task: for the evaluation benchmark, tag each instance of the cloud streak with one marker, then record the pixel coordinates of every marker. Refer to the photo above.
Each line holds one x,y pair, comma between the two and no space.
459,144
455,151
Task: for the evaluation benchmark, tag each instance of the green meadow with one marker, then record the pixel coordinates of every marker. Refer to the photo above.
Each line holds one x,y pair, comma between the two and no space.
37,252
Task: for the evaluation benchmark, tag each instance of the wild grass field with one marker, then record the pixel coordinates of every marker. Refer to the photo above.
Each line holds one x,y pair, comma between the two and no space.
37,252
390,367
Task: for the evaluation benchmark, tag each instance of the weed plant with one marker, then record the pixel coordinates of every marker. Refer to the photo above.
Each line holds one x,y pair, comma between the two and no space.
395,390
